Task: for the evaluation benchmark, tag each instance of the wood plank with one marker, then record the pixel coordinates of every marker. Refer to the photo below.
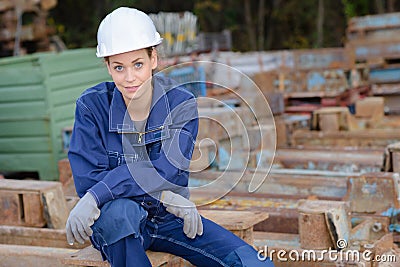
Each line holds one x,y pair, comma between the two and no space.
37,127
10,211
25,144
235,220
11,75
73,79
22,93
74,60
33,209
23,110
34,236
89,256
55,208
283,214
32,256
27,185
240,223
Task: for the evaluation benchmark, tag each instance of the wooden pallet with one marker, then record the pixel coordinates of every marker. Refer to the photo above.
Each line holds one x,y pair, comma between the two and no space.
32,203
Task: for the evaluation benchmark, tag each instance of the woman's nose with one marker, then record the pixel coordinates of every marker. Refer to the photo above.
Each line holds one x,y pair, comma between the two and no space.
130,76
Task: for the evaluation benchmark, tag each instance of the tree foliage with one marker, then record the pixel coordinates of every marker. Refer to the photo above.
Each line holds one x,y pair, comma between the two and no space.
254,24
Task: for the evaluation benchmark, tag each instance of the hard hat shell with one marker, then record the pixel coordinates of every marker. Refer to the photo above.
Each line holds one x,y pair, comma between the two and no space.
125,29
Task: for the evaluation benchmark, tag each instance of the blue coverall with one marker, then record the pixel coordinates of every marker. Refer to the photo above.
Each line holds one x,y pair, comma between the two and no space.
126,170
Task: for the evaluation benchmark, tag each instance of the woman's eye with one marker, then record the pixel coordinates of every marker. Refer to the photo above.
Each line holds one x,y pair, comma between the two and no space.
138,65
118,68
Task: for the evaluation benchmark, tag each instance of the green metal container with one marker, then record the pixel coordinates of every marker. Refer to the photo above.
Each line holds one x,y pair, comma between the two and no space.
37,102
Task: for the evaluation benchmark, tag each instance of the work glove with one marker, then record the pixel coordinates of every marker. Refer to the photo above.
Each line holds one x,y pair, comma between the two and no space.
81,217
185,209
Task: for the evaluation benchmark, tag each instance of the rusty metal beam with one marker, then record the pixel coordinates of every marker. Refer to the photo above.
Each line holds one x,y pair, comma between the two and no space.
288,183
342,160
372,138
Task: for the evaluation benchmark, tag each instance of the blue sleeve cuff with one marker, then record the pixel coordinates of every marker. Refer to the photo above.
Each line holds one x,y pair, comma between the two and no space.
101,193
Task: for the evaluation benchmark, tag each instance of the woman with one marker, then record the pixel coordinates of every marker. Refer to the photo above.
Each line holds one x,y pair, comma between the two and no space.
130,152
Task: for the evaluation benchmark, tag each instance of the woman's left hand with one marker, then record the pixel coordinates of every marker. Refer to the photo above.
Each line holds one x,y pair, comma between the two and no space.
185,209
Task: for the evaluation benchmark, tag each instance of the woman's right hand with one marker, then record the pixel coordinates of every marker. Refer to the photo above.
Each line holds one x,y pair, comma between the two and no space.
185,209
80,219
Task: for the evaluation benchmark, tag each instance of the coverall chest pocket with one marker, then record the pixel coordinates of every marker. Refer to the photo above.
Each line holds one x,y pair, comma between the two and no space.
116,159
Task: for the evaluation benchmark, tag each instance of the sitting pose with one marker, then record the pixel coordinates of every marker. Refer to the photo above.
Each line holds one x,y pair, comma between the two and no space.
130,152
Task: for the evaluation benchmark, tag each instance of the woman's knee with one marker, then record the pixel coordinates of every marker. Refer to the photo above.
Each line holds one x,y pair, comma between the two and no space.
118,219
122,207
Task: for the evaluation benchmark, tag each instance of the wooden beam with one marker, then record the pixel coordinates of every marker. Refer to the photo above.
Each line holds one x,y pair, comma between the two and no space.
33,236
32,256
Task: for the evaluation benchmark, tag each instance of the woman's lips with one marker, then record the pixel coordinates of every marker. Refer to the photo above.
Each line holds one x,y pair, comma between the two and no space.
132,89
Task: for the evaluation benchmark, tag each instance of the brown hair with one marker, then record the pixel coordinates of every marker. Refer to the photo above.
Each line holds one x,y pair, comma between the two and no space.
149,51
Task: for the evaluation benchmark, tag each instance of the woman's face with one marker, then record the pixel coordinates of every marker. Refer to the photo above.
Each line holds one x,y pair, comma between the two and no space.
132,72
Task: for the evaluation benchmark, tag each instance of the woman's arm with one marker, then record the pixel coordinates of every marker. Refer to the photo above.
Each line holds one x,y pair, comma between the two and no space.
90,166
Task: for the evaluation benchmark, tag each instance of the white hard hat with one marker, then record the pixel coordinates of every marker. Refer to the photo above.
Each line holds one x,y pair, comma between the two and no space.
126,29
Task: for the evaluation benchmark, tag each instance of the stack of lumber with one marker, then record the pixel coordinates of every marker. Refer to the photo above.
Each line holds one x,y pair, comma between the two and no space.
17,38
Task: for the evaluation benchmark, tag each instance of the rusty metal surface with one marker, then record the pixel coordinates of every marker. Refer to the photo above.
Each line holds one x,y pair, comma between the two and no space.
368,227
322,223
314,234
320,59
388,75
286,183
371,138
375,35
373,26
370,51
380,21
340,160
385,89
283,207
241,202
283,215
379,189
